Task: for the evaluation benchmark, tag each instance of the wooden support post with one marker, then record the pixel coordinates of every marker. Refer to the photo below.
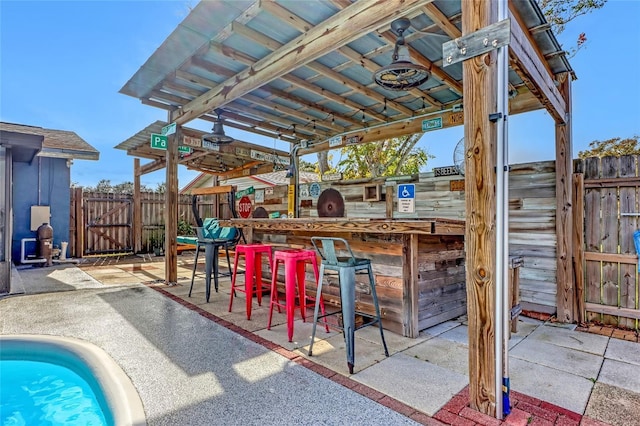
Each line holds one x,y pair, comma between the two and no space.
171,210
564,214
479,82
389,190
79,214
410,293
137,208
578,246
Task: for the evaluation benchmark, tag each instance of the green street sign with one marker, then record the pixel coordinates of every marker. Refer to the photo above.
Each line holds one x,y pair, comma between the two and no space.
161,142
249,190
169,129
433,124
158,141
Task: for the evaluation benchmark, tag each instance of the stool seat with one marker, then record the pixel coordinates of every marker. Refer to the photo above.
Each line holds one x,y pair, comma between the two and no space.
294,261
252,271
347,267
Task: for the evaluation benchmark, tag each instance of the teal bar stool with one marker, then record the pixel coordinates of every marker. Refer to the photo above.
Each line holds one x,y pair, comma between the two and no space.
347,268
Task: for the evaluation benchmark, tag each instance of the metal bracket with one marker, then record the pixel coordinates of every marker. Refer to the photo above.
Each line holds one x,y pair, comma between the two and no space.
495,116
482,41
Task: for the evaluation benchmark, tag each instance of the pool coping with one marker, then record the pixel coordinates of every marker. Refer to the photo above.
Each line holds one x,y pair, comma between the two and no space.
120,394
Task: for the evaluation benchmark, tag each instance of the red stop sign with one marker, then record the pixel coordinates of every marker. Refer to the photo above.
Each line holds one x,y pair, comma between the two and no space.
244,207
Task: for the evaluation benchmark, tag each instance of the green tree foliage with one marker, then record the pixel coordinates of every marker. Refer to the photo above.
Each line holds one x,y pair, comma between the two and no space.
560,12
104,185
614,147
389,157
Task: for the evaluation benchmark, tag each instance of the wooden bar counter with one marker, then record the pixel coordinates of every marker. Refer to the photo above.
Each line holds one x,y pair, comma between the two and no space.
418,263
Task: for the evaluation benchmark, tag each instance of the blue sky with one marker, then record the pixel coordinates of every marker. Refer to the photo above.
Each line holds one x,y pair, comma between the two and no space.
62,64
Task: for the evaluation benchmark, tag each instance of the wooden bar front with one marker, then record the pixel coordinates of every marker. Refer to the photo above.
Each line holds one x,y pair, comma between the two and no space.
418,263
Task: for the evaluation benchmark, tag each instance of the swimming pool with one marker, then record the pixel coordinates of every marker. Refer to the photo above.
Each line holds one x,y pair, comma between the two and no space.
113,393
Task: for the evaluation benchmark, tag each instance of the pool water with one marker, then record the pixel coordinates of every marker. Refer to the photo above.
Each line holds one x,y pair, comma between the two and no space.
40,393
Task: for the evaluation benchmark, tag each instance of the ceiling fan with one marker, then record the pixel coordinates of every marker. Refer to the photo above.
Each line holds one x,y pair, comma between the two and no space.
402,73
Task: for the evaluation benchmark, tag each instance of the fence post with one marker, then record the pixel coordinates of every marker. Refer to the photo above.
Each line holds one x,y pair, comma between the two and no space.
578,246
79,214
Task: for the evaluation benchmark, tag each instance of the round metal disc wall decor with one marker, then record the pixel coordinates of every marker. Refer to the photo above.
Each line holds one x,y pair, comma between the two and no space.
330,204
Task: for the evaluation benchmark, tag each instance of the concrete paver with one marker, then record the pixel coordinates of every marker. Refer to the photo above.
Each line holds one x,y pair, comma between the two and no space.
420,384
552,366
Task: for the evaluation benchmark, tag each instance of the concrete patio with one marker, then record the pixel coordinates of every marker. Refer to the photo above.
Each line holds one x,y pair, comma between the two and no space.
112,304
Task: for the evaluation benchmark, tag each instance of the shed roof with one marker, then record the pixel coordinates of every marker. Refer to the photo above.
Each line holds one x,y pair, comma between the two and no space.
56,143
221,45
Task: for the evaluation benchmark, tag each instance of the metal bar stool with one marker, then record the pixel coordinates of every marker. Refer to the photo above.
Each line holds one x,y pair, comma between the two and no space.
225,238
253,270
294,268
347,267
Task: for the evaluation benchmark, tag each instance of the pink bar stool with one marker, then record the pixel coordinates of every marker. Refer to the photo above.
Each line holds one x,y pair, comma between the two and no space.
294,261
253,270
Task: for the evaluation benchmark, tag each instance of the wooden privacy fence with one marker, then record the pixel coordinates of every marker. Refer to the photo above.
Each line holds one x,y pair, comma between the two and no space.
611,216
102,223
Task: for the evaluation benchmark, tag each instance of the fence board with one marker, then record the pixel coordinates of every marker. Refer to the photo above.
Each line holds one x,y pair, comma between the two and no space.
628,224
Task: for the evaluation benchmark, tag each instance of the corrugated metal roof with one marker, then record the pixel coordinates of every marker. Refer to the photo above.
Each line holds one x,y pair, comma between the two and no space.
331,95
56,143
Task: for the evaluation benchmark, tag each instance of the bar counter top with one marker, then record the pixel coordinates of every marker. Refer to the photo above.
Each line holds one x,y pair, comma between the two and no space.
432,226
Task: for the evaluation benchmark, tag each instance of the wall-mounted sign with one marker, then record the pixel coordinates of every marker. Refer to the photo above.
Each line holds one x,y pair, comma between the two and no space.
456,118
211,146
291,201
304,190
314,190
243,152
406,198
445,171
335,141
191,141
331,176
456,185
259,196
351,140
433,124
269,158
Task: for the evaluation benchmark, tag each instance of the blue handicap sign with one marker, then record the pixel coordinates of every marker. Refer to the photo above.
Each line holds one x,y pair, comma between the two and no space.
407,190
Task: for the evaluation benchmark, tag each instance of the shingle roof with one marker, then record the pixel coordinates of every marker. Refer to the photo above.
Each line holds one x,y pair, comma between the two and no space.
56,143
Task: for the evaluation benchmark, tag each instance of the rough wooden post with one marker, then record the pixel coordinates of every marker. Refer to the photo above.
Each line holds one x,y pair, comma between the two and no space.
479,82
137,208
171,210
410,291
389,201
565,293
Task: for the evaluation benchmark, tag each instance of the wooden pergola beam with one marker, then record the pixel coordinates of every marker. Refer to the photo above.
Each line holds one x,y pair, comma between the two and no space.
523,103
151,167
340,29
530,66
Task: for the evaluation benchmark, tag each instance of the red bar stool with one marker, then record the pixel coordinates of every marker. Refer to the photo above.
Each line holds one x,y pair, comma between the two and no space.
294,261
253,270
